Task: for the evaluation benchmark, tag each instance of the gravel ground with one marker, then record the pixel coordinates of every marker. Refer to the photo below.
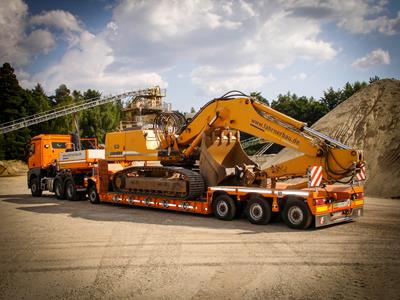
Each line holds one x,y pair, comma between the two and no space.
61,249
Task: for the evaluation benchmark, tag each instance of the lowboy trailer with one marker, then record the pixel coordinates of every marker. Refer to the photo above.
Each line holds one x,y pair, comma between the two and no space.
299,208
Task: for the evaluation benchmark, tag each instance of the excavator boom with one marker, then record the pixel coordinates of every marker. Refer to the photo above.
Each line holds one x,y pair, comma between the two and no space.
212,138
248,115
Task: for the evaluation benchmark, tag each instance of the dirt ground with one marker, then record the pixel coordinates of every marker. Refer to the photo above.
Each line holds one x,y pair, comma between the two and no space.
60,249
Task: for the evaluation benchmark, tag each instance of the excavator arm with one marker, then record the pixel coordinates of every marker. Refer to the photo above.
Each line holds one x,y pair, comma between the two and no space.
248,115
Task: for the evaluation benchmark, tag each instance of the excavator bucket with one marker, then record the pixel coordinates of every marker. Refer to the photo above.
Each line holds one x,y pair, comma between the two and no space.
221,158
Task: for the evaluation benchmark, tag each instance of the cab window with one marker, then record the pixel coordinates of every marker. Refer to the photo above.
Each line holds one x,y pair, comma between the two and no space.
58,145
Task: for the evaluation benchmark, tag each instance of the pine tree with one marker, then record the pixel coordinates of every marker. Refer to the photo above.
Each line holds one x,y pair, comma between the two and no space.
96,122
62,97
39,102
13,99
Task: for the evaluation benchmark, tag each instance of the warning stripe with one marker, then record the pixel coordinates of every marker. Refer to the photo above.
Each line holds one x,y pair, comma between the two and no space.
362,174
316,176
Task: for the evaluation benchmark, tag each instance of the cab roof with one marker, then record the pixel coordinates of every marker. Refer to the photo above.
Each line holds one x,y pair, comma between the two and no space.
50,137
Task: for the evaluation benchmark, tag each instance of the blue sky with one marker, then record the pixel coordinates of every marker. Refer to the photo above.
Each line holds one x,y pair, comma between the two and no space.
199,50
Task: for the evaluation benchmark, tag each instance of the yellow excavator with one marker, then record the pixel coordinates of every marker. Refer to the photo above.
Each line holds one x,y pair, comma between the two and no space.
206,151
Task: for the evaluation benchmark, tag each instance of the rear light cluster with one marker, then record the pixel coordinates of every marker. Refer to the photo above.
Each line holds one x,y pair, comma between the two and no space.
357,196
320,201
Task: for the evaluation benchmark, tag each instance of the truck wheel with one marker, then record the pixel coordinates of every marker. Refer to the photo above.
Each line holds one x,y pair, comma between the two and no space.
70,191
224,207
297,215
93,195
36,191
59,189
258,210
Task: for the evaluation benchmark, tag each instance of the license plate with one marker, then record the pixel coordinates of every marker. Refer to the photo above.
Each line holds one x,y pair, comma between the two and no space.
342,204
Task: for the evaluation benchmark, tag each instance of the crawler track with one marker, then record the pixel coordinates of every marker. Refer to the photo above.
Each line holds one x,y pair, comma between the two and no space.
175,182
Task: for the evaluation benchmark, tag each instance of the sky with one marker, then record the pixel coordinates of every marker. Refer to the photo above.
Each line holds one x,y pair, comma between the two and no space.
199,49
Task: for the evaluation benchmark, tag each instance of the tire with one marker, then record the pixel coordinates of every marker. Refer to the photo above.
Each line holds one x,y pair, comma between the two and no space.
59,190
93,195
70,191
36,191
297,215
258,210
224,207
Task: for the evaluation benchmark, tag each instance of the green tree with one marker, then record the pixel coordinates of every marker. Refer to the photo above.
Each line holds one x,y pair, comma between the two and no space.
62,97
302,108
373,79
39,102
259,97
333,98
96,122
13,99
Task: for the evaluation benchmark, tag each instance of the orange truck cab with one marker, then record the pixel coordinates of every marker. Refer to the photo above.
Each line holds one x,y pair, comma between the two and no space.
44,150
49,169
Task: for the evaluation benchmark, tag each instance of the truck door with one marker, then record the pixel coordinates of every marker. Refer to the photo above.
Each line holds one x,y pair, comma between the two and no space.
34,160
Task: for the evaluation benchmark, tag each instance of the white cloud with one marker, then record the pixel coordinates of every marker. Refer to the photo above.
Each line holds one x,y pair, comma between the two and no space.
300,76
39,40
214,81
154,34
356,16
62,20
376,57
212,35
281,40
227,44
19,42
12,23
83,67
59,19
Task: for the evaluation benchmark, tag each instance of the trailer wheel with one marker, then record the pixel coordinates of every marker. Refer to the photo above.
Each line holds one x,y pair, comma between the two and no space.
258,210
36,191
59,189
224,207
70,191
297,215
93,195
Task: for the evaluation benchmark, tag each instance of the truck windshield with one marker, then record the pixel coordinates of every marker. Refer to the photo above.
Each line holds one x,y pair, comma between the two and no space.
58,145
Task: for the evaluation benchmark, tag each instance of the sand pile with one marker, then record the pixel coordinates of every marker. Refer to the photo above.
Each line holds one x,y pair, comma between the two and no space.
369,120
12,168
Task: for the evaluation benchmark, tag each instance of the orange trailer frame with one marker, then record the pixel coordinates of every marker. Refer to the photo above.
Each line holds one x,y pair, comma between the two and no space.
328,205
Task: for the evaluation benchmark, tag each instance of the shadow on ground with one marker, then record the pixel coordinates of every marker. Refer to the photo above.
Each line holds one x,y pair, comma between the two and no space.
47,204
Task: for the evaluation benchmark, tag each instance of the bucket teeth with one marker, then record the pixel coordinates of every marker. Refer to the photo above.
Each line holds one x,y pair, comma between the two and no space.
221,152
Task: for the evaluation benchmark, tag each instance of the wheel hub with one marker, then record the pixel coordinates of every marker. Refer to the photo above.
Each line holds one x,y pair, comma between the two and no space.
256,211
222,208
295,215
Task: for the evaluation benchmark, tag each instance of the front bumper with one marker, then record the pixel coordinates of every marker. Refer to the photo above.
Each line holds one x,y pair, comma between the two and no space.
333,218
